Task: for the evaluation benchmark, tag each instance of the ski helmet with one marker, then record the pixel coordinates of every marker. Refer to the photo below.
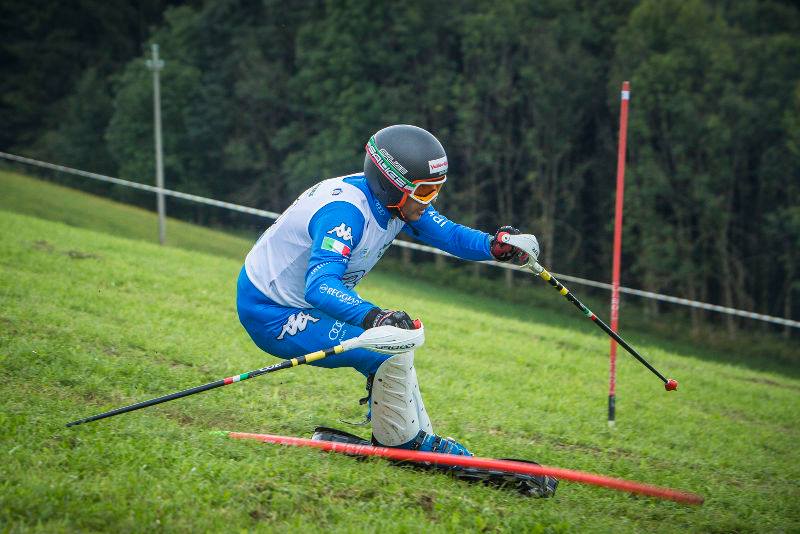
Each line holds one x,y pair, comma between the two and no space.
402,161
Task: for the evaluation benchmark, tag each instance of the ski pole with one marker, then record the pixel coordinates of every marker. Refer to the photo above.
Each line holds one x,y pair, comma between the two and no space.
524,243
384,339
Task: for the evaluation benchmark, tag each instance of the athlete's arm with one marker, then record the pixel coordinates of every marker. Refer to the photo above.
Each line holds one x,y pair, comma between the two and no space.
438,231
335,231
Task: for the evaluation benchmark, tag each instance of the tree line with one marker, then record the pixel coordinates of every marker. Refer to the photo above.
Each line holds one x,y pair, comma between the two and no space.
262,98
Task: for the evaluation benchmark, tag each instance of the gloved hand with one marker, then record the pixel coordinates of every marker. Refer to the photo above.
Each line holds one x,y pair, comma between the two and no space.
505,252
378,317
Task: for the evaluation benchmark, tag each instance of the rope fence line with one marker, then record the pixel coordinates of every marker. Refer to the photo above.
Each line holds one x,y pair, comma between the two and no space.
407,244
143,187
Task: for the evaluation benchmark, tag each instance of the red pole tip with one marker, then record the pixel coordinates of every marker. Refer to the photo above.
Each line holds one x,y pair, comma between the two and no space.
671,385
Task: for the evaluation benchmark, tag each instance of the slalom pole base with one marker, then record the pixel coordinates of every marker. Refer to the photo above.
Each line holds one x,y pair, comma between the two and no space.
612,409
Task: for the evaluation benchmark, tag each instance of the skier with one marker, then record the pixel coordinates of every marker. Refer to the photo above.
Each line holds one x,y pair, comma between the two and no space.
295,291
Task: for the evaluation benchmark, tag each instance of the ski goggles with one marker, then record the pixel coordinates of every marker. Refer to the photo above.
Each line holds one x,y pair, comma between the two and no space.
423,191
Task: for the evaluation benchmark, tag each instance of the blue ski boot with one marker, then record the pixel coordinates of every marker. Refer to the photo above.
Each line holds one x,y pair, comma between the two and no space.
433,443
423,442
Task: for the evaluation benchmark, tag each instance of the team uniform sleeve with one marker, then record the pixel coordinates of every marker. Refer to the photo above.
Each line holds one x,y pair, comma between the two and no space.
462,241
335,231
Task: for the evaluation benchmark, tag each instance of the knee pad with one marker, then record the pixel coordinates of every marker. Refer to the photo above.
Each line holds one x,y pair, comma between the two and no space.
398,413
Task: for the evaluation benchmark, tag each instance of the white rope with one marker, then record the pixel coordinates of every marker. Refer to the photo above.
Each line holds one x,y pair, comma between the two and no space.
144,187
406,244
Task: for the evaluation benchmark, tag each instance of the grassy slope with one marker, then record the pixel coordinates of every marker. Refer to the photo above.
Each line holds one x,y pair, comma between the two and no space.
22,194
90,322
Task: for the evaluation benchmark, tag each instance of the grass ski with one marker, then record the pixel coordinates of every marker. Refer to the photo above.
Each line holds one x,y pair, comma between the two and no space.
525,484
508,466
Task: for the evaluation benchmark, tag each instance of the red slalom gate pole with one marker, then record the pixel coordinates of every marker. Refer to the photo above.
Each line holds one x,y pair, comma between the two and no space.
508,466
623,137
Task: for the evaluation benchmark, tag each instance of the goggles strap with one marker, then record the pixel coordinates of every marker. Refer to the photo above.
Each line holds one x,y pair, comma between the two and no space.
398,207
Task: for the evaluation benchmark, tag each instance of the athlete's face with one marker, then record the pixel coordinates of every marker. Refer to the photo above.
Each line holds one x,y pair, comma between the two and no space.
413,210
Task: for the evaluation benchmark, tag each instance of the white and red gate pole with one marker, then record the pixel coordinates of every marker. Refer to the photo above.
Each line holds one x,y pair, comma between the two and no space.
623,136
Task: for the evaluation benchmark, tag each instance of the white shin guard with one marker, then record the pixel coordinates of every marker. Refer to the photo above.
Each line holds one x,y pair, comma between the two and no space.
398,413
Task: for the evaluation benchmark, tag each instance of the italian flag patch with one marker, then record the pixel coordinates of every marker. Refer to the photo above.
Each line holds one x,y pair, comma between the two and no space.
335,246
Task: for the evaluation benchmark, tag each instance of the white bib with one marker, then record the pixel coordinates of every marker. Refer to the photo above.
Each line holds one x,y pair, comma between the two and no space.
278,261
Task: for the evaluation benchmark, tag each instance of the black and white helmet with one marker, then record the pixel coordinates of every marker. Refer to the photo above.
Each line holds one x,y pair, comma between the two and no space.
402,161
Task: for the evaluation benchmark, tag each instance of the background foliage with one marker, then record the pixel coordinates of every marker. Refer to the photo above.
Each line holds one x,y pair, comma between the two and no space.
262,98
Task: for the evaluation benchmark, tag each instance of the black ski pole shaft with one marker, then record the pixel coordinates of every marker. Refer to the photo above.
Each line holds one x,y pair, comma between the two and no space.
550,279
286,364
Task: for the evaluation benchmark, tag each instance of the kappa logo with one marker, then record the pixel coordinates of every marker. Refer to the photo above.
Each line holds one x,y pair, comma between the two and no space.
343,232
296,322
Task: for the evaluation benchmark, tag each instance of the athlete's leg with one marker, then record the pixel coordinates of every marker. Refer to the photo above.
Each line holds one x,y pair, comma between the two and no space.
289,332
398,413
399,417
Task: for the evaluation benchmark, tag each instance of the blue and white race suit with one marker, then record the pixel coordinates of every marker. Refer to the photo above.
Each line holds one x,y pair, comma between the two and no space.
296,294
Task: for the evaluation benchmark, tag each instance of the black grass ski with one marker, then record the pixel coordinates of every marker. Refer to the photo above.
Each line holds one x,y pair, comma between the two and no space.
528,485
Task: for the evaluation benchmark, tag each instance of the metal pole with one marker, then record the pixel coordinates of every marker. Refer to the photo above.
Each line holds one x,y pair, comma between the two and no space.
156,65
623,135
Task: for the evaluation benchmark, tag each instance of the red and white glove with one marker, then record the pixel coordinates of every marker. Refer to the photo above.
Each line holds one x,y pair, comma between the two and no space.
505,252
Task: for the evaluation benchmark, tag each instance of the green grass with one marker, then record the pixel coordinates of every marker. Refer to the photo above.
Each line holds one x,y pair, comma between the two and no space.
90,321
29,196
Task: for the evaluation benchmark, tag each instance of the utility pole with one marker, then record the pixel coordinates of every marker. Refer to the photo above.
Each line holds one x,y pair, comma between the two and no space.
156,65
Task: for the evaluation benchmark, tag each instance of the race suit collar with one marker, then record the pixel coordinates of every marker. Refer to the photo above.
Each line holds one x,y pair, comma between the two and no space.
381,214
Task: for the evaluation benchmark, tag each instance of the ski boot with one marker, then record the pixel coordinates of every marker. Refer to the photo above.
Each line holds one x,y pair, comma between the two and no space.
434,443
